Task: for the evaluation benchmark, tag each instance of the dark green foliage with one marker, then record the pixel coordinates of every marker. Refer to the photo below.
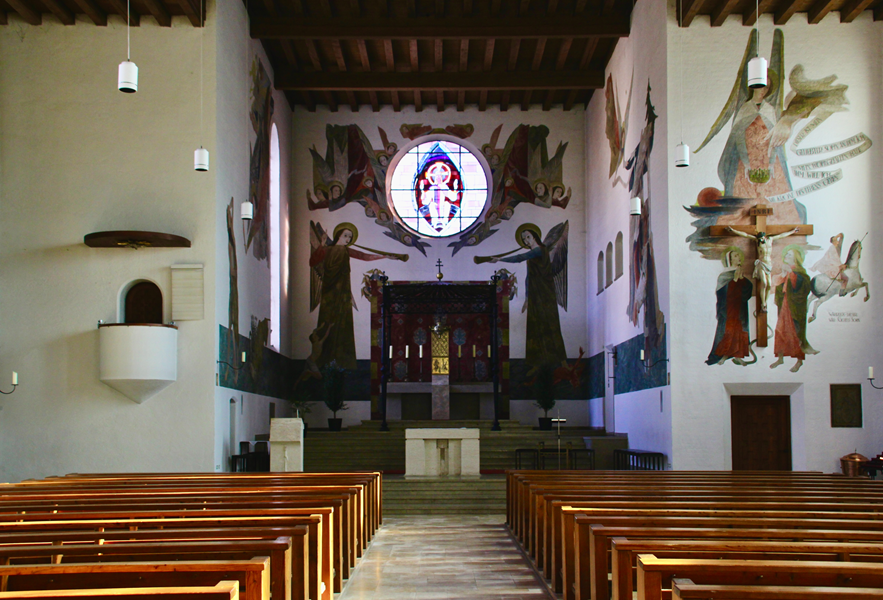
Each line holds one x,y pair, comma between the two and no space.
334,383
544,388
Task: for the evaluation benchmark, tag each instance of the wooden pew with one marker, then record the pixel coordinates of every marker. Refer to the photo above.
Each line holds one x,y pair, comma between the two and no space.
223,590
626,552
655,574
684,589
279,550
252,575
320,575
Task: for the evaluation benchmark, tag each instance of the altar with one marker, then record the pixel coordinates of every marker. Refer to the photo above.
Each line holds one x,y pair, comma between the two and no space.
441,452
432,338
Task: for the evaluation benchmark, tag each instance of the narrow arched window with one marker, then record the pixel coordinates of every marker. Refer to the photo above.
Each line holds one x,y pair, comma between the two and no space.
618,255
600,272
609,261
143,303
274,246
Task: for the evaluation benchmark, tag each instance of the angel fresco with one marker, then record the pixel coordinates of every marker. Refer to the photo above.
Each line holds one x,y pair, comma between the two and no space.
754,166
352,171
617,123
331,291
522,173
546,290
261,115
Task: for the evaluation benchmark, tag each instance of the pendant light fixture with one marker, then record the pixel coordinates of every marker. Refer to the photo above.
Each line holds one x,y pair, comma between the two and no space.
246,211
682,151
127,78
635,207
757,65
200,155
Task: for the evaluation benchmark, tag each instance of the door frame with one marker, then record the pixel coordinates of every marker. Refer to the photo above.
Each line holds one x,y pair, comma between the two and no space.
798,420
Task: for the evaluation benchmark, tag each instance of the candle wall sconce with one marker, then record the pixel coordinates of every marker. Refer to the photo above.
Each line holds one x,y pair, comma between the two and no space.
14,384
650,366
871,379
241,365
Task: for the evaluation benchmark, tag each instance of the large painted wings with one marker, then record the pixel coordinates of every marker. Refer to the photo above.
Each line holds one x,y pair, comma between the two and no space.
556,242
617,123
740,93
318,238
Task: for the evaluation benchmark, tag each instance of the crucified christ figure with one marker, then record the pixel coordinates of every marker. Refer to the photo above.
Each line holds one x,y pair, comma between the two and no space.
763,265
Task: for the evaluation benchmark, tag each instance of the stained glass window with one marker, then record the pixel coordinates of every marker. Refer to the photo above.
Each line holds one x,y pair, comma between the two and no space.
438,189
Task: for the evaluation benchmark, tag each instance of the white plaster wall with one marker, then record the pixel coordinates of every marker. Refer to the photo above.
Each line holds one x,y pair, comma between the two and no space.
77,156
700,393
308,130
231,167
641,57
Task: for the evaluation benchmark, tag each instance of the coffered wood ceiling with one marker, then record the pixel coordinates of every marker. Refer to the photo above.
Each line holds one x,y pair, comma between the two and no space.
444,54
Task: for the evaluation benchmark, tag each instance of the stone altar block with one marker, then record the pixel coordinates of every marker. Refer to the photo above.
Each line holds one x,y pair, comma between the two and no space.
286,445
441,452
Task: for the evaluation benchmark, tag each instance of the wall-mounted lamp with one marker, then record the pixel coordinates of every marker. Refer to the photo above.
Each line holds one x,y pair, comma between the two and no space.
650,366
635,207
14,383
246,211
871,379
242,364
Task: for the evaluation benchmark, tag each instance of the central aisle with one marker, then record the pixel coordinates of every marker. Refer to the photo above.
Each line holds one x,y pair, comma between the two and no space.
444,558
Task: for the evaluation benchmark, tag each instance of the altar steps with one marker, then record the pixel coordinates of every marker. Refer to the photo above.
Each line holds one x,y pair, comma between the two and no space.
364,447
482,496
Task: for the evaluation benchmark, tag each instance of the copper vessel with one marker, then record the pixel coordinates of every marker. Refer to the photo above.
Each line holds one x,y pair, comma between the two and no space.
851,464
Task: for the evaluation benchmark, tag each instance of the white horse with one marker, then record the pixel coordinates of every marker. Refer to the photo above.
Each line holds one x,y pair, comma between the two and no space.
824,288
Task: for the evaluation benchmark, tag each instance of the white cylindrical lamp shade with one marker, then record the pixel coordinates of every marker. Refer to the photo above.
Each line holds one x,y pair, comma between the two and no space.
246,211
127,79
635,208
200,159
682,155
757,72
870,372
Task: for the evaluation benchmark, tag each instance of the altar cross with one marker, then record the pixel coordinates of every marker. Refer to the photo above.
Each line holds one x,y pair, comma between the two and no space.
760,212
439,265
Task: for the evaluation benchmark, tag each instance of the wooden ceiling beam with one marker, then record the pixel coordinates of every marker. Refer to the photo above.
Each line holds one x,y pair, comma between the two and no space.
495,7
60,11
547,105
418,101
482,101
464,54
414,56
389,55
785,12
308,101
288,79
689,10
4,20
525,101
579,7
552,7
338,55
850,10
352,101
439,8
461,101
271,9
120,7
159,12
363,55
818,11
290,55
314,55
504,101
749,17
331,101
514,47
723,10
878,13
538,54
440,101
375,104
563,53
570,100
608,7
396,103
192,11
28,14
439,56
613,26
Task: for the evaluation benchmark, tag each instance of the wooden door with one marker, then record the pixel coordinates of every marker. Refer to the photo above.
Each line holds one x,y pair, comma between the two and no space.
761,433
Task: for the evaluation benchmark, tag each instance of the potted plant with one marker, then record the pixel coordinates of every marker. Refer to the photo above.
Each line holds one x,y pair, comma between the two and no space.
302,403
334,383
544,391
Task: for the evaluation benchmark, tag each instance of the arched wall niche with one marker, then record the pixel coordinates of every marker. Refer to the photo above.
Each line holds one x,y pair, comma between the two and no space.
140,301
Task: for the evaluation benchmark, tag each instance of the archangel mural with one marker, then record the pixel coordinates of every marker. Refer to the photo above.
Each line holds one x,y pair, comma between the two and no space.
330,289
546,290
261,115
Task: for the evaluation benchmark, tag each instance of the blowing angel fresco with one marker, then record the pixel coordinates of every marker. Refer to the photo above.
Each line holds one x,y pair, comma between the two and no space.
331,291
546,290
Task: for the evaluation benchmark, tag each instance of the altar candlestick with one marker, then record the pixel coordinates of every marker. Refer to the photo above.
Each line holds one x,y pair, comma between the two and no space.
421,351
473,350
459,351
243,356
642,356
870,372
407,348
390,352
488,350
14,378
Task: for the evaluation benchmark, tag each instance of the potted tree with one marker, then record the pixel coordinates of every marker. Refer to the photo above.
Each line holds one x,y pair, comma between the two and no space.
334,383
302,403
544,391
